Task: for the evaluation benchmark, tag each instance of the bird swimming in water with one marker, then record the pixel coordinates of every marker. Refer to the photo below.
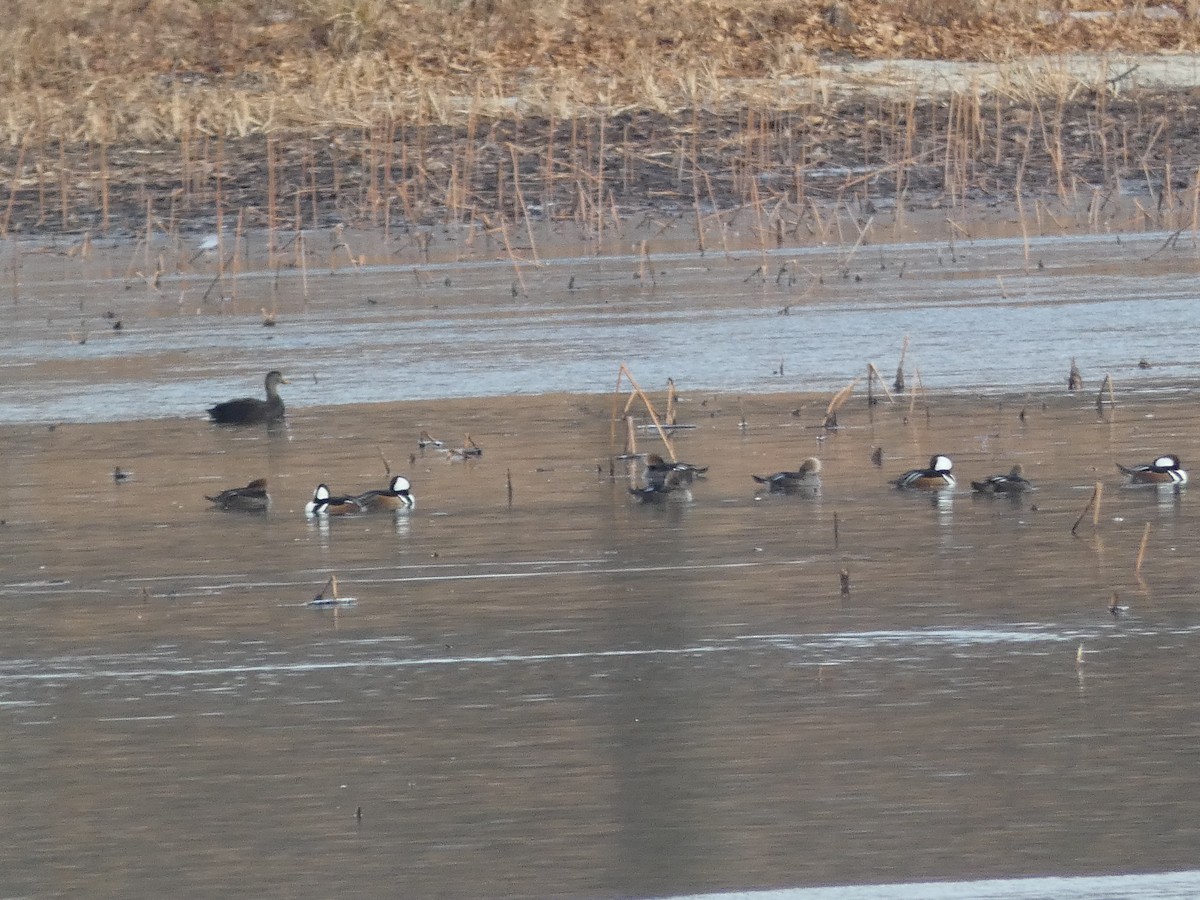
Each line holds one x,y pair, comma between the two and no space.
1012,483
806,479
251,410
251,498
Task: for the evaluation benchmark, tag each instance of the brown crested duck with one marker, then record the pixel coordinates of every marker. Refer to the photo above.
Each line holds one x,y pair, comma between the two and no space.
1012,483
806,479
251,498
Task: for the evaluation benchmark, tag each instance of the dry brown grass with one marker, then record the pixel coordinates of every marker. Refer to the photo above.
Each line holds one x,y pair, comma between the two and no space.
151,116
112,70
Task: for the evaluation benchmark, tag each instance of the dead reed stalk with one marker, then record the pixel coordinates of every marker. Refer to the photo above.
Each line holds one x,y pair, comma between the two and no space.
873,375
898,384
837,402
1137,566
1093,504
1106,385
624,372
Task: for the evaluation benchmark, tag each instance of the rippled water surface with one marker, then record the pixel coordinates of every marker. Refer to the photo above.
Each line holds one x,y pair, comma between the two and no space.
983,315
545,689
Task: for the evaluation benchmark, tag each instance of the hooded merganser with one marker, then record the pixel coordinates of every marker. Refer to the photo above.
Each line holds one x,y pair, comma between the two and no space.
1012,483
251,410
935,478
397,495
1164,470
251,498
322,504
807,478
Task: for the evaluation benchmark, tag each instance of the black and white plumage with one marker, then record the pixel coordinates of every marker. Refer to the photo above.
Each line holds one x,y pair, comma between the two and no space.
937,477
1164,470
396,496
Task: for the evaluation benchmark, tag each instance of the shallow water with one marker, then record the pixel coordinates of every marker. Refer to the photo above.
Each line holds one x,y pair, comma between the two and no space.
580,696
984,315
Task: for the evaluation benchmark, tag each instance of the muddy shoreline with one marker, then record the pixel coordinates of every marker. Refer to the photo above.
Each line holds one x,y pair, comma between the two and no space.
1085,156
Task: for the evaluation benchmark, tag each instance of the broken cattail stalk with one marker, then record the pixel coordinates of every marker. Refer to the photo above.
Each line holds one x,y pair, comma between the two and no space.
1112,400
662,433
509,486
1137,566
838,401
521,202
898,384
387,466
875,372
512,257
1075,378
835,531
1093,504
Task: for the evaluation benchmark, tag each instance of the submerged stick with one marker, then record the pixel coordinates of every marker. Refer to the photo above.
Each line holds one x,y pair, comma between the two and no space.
1092,504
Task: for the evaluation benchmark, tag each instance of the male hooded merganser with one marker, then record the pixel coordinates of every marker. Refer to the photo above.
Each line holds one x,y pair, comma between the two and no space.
251,410
1012,483
322,504
935,478
251,498
672,486
397,495
658,469
1164,470
807,478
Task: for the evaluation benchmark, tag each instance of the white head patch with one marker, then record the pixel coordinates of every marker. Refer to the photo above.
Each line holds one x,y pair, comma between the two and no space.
1166,462
321,493
942,464
400,483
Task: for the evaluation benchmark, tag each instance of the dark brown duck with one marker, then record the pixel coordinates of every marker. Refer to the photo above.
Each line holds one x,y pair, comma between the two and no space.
251,498
251,410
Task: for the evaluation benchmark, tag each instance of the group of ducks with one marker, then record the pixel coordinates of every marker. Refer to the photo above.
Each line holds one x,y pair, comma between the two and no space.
664,480
254,497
